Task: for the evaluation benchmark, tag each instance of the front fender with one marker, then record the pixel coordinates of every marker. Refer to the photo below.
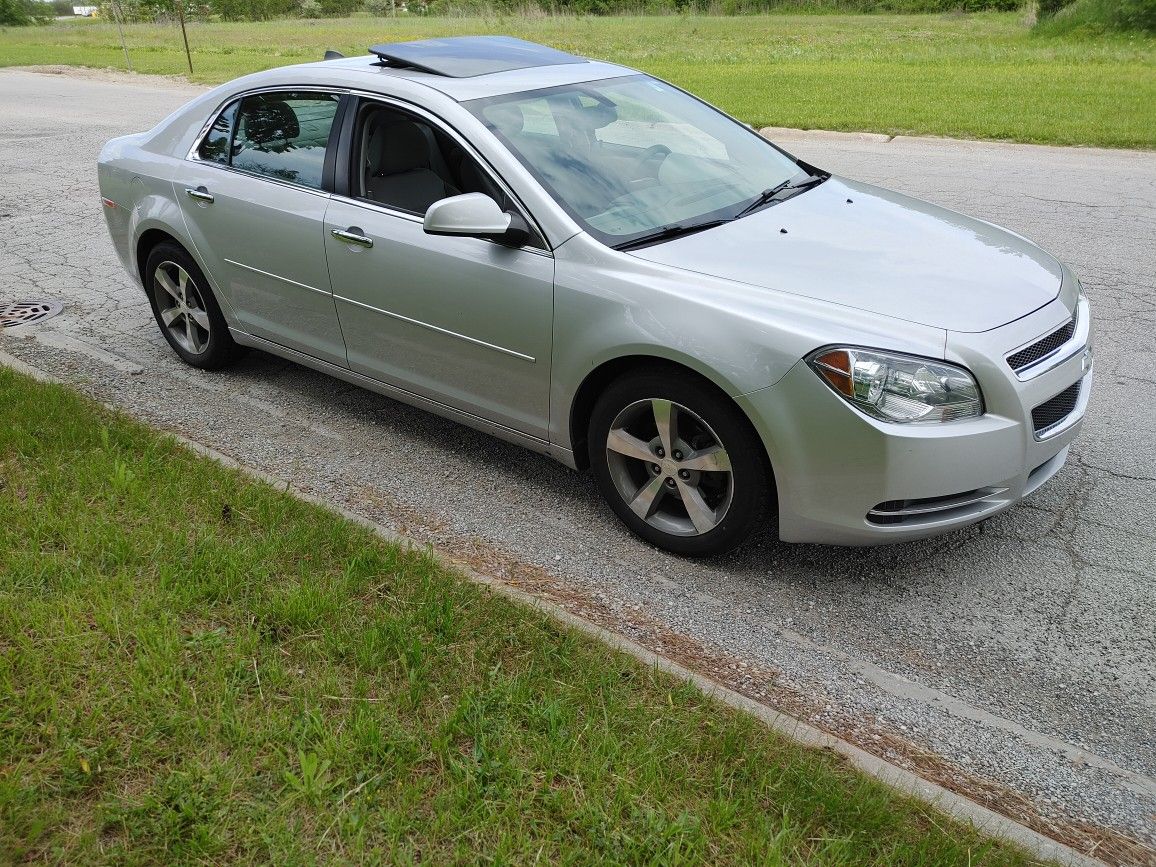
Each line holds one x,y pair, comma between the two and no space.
742,338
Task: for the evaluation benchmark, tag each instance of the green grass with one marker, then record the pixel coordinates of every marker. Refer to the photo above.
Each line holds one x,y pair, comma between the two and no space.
977,76
195,667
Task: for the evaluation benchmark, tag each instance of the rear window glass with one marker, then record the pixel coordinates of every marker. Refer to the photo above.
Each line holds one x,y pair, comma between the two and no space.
281,135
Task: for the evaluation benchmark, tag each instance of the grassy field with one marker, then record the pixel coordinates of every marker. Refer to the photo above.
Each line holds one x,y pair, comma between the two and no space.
196,668
976,76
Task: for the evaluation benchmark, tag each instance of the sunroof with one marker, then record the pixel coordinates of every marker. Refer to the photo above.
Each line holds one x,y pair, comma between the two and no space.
467,56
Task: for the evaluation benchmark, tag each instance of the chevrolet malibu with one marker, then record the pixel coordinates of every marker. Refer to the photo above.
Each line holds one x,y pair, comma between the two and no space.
592,263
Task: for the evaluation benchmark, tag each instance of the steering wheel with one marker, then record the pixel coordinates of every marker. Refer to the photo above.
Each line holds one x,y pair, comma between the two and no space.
650,161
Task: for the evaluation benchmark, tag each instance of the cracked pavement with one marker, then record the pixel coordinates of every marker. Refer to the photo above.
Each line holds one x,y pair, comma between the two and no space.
1020,652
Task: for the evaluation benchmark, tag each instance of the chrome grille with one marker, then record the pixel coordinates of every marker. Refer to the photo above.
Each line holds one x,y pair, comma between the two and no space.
1042,348
1051,412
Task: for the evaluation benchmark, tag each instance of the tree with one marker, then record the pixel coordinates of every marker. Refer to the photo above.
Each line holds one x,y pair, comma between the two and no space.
16,13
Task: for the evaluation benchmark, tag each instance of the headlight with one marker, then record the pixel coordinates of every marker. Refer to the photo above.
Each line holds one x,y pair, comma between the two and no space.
899,388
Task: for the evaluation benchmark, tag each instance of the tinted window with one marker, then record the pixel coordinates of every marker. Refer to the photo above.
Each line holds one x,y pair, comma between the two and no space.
284,135
215,146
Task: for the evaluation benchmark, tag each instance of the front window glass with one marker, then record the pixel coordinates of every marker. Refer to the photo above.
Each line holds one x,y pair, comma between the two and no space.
284,135
630,156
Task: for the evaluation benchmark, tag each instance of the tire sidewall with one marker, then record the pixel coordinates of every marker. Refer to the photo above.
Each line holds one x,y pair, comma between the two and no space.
221,349
749,465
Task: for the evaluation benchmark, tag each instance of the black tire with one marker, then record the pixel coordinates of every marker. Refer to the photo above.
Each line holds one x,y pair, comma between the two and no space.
208,348
750,481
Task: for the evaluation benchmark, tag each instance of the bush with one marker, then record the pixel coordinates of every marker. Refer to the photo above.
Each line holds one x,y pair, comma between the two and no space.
260,10
739,7
252,10
1133,15
1098,16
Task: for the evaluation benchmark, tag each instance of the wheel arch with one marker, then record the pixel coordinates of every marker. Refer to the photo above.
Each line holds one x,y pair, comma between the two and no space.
145,244
153,232
597,380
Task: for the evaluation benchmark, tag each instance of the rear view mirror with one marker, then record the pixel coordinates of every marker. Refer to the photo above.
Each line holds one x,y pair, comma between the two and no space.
476,215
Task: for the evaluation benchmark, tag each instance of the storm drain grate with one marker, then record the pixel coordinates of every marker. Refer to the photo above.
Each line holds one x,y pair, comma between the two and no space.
27,312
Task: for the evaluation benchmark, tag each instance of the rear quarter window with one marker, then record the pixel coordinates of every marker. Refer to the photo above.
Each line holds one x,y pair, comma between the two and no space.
215,146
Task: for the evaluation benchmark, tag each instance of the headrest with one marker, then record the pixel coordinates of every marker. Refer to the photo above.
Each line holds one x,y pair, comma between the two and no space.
593,117
507,117
398,147
269,122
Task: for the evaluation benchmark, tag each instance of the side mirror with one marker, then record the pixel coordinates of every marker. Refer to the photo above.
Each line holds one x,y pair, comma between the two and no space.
476,215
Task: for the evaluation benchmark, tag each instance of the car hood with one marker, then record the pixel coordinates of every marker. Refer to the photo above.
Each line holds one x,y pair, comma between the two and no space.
875,250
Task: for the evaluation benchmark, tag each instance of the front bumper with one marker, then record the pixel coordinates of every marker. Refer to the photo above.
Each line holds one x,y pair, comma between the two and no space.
846,479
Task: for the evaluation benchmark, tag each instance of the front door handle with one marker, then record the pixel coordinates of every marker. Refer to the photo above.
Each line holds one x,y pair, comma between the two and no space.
200,194
352,235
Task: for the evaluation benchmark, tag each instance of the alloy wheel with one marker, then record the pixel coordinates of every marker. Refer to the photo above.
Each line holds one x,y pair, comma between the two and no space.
181,307
669,467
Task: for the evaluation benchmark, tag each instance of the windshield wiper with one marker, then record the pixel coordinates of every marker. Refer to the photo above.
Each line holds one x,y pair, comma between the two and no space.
780,192
666,233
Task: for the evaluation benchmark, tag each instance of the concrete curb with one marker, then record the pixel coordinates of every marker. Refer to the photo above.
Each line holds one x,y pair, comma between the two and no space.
958,807
784,134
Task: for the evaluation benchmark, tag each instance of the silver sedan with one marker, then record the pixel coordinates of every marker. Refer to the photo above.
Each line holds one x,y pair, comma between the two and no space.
590,262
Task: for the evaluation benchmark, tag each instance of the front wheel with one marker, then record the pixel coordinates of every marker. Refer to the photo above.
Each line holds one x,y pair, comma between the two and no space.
678,463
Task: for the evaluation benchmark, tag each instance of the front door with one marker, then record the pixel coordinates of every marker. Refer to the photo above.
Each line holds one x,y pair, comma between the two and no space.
464,321
255,209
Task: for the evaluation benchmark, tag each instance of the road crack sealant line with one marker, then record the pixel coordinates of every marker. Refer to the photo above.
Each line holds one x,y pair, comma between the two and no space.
958,807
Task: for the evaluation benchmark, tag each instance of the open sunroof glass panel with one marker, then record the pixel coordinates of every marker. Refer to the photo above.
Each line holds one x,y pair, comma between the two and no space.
467,56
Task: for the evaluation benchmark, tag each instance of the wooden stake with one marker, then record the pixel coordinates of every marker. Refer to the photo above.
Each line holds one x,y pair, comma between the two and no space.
180,4
120,29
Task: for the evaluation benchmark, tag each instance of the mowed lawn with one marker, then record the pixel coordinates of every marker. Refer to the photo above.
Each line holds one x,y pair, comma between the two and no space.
197,668
972,76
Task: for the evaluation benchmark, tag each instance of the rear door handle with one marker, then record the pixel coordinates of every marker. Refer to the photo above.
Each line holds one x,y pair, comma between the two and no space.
352,235
200,194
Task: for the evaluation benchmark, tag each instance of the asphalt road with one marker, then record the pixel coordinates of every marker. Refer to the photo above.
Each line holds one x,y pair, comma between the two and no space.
1021,652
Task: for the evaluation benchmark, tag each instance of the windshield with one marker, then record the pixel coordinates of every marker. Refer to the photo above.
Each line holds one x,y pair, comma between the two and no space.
630,157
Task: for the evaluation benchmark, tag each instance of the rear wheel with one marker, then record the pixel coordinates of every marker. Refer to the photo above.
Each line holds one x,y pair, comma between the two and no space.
185,309
678,463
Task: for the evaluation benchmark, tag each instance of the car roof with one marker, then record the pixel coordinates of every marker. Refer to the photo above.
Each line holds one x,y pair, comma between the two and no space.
474,67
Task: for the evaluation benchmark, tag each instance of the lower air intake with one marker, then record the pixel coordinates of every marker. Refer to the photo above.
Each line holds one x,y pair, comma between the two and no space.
933,509
1052,412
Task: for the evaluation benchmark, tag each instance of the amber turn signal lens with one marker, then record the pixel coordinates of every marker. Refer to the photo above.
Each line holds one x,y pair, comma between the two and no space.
835,367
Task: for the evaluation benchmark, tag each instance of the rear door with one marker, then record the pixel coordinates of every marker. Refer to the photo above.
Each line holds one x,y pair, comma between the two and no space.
254,199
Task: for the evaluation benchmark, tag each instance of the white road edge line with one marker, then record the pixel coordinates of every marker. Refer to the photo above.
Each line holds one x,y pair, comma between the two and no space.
958,807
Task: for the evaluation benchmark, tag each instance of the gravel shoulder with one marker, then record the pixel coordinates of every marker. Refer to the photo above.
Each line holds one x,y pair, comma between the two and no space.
1020,654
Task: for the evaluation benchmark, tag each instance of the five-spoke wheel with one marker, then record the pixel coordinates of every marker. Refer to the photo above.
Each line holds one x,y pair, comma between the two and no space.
669,467
678,462
185,308
180,307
